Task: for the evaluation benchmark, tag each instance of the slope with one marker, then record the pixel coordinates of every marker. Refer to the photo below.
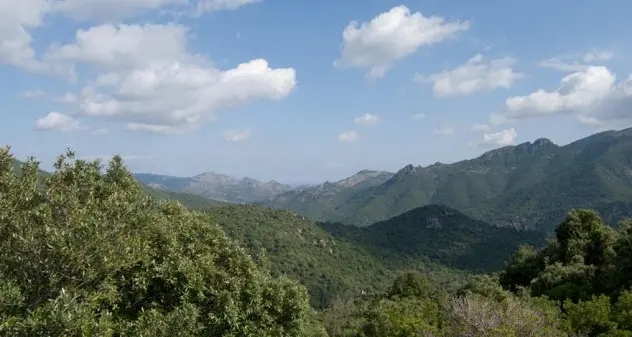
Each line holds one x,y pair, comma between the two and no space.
442,234
326,265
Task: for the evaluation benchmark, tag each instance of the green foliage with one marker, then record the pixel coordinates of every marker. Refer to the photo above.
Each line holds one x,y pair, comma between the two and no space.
327,265
586,271
84,253
441,234
469,313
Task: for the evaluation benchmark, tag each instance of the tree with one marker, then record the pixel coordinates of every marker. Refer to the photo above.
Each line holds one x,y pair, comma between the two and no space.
84,252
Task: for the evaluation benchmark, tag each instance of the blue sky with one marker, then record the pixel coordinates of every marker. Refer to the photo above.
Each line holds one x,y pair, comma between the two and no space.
296,91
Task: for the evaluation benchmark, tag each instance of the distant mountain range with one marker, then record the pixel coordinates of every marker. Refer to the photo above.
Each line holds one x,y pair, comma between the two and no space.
531,185
318,202
216,186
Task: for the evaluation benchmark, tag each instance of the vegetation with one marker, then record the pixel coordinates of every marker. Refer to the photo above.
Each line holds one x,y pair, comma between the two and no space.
85,251
511,186
89,254
441,234
327,265
579,285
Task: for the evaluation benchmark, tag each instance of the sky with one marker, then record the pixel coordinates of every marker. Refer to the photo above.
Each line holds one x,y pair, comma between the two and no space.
307,91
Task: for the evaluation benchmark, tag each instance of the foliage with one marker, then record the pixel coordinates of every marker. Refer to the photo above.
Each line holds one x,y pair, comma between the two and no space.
439,314
585,270
441,234
85,253
327,265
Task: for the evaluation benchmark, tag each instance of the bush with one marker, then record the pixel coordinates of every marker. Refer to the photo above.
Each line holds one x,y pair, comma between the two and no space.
86,253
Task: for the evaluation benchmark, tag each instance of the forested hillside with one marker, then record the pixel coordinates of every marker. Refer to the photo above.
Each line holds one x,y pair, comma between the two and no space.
531,185
442,234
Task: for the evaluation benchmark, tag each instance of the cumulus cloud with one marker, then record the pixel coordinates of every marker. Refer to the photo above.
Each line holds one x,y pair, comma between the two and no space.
418,116
348,136
150,81
476,75
56,121
367,119
67,98
237,135
392,36
478,127
592,94
445,130
124,46
17,18
500,138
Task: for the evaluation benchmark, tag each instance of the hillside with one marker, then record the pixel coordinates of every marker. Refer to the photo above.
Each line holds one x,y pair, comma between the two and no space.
319,202
531,185
326,265
442,234
215,186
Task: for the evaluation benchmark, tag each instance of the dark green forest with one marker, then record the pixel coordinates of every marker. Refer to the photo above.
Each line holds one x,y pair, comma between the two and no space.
87,250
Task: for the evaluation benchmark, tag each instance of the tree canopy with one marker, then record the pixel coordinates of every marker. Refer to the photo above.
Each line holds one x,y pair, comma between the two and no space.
85,252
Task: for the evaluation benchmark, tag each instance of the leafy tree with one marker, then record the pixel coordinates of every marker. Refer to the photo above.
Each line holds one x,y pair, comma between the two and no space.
87,253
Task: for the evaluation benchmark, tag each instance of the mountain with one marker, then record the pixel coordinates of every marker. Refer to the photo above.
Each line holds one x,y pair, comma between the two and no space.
319,201
442,234
326,264
531,185
216,186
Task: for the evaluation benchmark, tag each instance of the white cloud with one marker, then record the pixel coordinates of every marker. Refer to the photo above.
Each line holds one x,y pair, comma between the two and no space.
33,94
149,80
124,46
480,127
367,119
418,116
500,138
567,64
592,94
445,130
392,36
237,135
559,64
56,121
596,55
348,136
17,17
476,75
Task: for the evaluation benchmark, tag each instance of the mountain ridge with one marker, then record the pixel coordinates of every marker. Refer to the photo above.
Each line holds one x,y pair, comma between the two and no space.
521,185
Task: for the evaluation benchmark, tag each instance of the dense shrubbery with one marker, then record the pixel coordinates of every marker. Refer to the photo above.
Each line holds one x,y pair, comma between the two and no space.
579,285
84,253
